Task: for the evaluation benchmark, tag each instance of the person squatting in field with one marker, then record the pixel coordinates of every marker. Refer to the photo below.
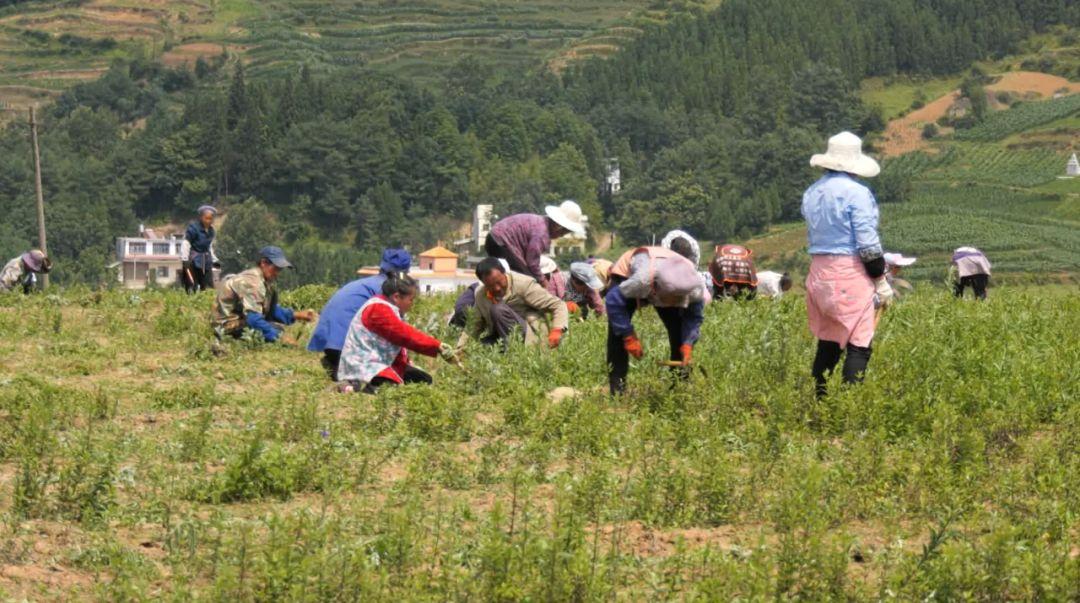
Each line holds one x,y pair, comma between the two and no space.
376,348
666,279
521,239
583,292
338,313
847,269
197,252
248,300
467,300
970,268
509,303
23,270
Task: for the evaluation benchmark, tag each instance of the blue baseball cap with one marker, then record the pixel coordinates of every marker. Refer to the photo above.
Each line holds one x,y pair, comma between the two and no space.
395,260
275,256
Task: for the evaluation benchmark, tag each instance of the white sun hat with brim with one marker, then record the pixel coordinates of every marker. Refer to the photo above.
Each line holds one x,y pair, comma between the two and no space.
845,155
568,215
898,259
547,265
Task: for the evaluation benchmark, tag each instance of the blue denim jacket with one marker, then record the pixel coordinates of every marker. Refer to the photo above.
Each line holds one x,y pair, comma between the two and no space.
841,217
339,311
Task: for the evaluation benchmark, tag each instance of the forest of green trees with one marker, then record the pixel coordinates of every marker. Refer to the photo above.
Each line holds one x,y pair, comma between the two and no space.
712,117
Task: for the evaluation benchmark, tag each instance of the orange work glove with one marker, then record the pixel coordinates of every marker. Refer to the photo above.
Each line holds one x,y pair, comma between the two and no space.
554,337
633,346
572,307
686,350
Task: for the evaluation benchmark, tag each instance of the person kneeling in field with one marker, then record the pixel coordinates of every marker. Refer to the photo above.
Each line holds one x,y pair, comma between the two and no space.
376,347
508,301
248,300
337,314
666,279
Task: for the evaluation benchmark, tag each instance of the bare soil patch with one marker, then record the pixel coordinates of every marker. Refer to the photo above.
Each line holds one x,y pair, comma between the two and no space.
1042,84
904,135
189,53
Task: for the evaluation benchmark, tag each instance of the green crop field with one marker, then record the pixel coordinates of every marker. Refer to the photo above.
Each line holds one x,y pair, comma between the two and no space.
135,465
1021,117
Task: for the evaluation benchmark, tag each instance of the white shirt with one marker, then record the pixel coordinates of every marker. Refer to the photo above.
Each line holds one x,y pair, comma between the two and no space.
768,283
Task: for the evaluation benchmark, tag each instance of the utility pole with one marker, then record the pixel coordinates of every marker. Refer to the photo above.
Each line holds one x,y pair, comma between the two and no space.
40,198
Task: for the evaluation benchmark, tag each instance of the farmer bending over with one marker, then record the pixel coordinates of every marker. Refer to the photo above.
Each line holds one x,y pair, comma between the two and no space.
521,239
23,270
733,273
249,301
970,268
666,279
508,302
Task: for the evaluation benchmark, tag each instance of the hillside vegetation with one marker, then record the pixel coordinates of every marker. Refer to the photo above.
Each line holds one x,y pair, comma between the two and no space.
50,45
336,165
996,184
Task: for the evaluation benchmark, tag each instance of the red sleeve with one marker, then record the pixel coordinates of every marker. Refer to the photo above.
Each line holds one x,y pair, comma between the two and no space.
595,302
382,321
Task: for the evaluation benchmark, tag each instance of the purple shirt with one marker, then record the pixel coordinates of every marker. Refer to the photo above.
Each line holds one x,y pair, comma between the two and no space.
556,284
525,236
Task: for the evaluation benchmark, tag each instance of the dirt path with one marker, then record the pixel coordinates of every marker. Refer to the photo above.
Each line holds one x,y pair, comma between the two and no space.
904,135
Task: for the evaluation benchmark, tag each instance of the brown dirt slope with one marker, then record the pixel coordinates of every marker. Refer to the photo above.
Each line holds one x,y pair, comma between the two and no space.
904,135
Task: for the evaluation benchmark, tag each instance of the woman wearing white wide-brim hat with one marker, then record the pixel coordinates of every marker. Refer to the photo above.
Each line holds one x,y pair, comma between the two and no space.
847,280
522,238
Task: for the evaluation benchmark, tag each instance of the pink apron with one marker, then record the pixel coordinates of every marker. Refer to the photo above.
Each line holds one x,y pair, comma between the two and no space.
840,300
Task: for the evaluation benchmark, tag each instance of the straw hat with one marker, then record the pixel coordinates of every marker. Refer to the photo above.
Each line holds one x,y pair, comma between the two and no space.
568,215
36,261
845,155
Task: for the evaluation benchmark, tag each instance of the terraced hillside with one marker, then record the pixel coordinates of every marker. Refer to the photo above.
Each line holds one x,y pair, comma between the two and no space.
998,186
46,46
